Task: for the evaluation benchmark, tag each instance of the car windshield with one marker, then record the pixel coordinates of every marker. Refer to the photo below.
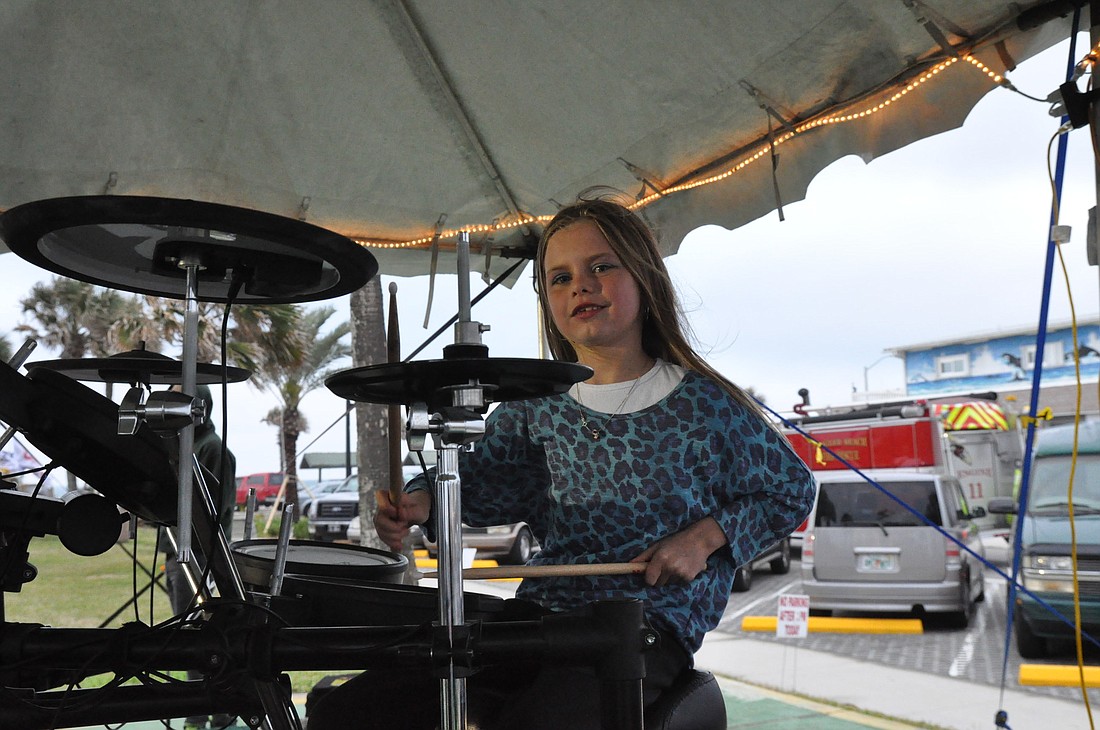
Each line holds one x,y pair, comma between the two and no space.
349,484
1049,488
859,504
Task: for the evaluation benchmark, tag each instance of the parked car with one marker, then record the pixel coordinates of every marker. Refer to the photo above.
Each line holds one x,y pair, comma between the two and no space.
307,492
777,558
329,514
864,551
267,485
514,543
1046,540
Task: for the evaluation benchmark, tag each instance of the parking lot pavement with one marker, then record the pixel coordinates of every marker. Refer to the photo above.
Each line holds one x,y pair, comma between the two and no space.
751,706
912,699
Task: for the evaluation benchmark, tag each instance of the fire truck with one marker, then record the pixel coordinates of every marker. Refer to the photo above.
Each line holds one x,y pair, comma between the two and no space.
969,439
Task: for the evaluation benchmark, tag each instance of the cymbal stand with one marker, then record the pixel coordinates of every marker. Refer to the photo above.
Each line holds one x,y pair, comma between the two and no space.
167,409
190,263
452,428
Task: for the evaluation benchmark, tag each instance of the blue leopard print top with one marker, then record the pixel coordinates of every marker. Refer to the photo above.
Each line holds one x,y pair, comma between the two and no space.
695,453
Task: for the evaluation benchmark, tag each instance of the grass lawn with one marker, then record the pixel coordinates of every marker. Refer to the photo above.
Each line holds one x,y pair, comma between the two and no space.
72,591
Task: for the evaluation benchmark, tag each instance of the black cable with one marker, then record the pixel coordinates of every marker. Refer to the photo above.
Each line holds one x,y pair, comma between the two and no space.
234,289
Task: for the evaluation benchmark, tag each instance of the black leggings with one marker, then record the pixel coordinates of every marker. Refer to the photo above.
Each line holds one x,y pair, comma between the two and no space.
528,695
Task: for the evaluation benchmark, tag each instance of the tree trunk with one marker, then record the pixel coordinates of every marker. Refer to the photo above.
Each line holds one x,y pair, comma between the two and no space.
368,342
290,431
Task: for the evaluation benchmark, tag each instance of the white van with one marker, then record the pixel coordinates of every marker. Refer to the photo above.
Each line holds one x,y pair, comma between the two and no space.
864,551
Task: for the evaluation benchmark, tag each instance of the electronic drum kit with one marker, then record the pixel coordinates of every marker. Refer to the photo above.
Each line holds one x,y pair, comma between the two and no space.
281,605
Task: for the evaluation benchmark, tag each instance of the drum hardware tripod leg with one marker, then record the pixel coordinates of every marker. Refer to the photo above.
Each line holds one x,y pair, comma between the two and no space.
279,711
278,570
249,513
22,354
15,363
189,570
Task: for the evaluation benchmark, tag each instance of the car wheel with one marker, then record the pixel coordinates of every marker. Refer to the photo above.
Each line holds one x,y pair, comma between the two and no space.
742,578
1028,643
961,619
781,565
521,548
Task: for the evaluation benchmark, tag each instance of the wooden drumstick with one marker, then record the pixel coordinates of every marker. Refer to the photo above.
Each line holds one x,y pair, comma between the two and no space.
393,355
548,571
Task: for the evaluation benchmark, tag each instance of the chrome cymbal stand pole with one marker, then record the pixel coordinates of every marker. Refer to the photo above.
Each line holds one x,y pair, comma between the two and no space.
187,433
451,610
452,429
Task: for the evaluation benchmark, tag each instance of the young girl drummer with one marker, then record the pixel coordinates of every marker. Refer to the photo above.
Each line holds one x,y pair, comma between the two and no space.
657,458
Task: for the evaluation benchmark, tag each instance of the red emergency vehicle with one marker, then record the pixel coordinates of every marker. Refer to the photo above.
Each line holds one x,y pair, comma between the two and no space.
967,439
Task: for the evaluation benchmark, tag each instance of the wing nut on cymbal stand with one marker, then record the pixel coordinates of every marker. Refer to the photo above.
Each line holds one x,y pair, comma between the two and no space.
164,411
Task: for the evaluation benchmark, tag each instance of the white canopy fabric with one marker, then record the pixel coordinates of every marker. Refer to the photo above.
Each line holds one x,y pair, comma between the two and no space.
391,122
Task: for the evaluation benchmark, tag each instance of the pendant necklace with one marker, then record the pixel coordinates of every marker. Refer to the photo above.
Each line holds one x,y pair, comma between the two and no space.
596,432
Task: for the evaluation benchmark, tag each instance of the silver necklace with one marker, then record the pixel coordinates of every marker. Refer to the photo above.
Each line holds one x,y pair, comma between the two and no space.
596,432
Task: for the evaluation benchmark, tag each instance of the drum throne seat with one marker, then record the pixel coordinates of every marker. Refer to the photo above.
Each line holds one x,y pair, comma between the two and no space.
693,702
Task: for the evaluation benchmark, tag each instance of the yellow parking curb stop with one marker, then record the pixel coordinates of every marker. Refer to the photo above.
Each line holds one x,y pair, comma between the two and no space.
833,625
1053,675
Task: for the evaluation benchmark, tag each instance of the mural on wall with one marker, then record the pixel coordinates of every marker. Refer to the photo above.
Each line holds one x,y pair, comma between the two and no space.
1001,363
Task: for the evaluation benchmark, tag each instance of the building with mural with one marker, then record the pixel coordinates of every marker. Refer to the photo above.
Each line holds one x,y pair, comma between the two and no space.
1003,362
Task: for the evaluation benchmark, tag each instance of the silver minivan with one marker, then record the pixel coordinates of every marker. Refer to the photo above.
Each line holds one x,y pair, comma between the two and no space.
863,551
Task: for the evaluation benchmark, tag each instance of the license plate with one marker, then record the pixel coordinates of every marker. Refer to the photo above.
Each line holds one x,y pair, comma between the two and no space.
878,563
334,528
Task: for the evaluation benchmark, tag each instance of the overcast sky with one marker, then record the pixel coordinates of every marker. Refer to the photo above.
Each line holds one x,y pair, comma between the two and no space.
942,239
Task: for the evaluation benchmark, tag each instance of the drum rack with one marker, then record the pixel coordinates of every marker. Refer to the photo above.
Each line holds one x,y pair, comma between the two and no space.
610,636
243,636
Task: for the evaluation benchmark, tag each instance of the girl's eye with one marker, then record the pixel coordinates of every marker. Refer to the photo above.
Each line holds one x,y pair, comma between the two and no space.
559,279
600,268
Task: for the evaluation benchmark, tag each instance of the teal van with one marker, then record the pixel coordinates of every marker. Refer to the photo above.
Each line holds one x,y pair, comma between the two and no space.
1046,567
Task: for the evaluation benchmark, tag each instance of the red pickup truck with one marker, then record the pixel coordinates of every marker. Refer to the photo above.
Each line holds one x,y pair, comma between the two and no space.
266,484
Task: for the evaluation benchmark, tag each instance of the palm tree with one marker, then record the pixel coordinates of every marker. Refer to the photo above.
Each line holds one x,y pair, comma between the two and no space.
371,419
291,380
6,350
255,335
78,319
59,311
108,309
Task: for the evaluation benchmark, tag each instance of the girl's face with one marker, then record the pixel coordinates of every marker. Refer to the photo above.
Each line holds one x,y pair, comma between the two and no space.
593,299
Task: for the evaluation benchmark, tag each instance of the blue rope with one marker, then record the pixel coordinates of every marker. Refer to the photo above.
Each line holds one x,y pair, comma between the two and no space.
923,518
1040,344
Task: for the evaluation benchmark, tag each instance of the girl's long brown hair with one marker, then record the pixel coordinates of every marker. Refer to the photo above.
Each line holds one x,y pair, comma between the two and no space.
664,326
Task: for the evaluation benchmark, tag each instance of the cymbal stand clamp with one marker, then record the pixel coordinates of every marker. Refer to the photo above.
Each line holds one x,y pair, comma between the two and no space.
164,411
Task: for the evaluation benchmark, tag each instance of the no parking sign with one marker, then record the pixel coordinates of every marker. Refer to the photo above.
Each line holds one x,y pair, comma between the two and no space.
793,616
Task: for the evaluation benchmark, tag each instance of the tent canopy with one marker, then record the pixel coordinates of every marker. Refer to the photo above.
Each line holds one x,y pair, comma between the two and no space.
398,123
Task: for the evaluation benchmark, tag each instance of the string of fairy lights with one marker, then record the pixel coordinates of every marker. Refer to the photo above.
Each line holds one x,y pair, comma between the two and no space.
762,149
